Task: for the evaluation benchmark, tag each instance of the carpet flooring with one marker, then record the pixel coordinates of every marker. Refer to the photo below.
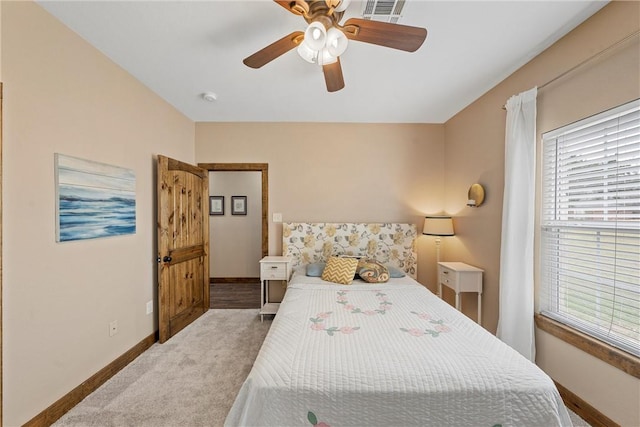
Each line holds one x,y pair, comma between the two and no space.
189,381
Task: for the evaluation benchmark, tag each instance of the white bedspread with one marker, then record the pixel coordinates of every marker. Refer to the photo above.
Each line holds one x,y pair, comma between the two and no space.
387,355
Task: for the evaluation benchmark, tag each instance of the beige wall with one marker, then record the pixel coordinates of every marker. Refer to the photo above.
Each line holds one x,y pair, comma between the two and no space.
339,172
475,152
62,95
236,240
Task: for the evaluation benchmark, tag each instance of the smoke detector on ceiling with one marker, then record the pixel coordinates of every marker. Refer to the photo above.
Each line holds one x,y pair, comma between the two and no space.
209,96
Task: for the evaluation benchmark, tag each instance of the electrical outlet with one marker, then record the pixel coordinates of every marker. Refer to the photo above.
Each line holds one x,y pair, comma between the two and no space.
149,307
113,328
277,217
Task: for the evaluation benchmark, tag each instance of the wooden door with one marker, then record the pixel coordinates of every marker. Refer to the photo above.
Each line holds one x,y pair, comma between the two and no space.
183,245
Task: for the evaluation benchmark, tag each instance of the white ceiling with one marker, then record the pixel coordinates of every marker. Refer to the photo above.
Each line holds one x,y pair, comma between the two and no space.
181,49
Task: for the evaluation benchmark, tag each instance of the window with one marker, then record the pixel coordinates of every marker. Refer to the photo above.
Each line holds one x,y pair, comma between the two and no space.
590,241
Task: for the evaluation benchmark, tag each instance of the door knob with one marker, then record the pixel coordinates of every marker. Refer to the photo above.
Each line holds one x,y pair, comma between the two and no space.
167,259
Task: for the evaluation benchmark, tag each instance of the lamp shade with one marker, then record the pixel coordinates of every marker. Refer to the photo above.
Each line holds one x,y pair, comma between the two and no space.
315,36
438,226
307,53
336,41
342,6
325,57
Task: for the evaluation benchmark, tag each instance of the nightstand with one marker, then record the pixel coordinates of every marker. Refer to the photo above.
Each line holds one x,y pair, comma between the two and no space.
272,268
461,277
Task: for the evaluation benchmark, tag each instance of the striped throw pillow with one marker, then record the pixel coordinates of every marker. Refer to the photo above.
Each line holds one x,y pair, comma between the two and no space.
340,270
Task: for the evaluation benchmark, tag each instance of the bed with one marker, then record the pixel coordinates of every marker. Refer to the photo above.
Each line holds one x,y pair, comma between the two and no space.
388,354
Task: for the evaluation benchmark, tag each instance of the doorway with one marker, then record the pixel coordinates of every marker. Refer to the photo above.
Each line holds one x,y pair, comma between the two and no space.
239,286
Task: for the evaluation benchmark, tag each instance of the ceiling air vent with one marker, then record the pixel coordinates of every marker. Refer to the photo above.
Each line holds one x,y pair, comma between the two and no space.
383,10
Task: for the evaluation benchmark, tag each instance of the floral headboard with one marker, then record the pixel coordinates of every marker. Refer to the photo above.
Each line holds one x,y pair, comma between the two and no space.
389,244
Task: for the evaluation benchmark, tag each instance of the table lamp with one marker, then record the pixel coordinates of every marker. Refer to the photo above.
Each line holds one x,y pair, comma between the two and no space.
438,226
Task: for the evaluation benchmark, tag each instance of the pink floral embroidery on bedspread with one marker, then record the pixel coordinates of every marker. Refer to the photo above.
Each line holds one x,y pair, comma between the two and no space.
383,304
317,324
438,326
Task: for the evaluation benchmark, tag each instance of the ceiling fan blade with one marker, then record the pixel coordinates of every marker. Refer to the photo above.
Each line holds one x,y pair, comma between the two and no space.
297,7
274,50
333,76
395,36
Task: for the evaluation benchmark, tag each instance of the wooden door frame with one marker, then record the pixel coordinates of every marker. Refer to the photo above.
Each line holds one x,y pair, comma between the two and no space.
1,326
250,167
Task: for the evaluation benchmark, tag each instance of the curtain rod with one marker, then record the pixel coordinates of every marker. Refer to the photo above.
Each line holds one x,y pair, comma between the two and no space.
586,61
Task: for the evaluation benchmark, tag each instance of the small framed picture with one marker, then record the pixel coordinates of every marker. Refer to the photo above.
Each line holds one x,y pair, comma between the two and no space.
238,205
216,205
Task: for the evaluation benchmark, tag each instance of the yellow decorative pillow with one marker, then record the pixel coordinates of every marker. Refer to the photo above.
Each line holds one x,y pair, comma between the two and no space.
340,270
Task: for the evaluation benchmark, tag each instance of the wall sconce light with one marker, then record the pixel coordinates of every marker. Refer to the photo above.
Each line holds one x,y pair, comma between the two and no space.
475,196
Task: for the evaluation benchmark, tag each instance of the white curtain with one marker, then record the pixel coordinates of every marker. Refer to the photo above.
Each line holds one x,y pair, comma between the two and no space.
515,324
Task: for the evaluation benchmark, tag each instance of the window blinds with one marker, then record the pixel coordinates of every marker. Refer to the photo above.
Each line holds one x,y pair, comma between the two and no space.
590,237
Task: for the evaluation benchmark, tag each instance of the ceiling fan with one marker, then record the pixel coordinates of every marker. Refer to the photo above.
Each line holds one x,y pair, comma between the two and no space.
325,39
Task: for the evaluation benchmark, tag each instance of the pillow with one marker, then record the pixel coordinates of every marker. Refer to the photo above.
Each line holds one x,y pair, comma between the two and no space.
372,272
315,269
340,270
358,257
395,272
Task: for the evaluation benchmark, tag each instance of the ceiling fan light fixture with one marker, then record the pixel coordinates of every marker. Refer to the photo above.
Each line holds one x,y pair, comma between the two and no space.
307,53
325,39
337,41
325,57
315,36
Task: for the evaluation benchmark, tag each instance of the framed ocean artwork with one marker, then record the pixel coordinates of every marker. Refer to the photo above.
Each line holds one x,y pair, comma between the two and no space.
93,199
